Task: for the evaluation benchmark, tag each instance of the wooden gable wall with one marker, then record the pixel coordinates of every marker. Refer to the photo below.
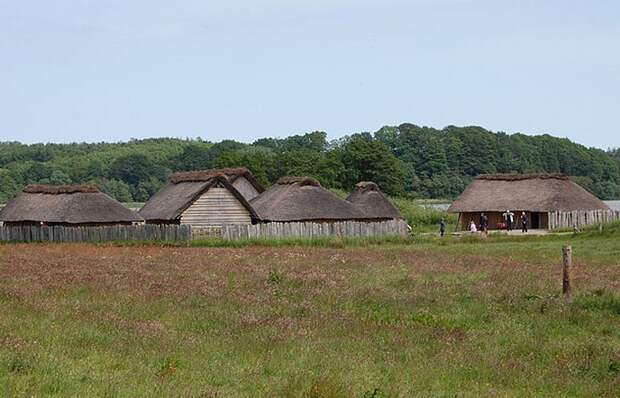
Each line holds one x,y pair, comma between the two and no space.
217,206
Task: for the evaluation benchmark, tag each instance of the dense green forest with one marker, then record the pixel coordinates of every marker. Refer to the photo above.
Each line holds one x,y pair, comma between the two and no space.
405,160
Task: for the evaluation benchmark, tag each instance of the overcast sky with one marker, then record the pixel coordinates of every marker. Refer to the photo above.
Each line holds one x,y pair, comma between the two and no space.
80,70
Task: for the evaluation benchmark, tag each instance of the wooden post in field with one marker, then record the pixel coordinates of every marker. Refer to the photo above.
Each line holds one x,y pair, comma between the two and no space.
567,252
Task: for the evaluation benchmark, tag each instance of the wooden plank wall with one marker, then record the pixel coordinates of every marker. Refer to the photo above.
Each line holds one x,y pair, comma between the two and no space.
96,234
578,219
309,229
216,207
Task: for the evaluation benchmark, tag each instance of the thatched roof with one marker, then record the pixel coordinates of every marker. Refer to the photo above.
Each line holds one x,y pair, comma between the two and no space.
205,175
67,204
303,199
529,192
171,201
367,197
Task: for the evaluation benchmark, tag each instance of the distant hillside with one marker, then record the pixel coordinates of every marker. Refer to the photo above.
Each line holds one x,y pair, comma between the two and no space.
405,160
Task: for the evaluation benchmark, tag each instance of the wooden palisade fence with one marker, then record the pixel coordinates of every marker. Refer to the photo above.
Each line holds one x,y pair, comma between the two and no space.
315,229
96,234
579,219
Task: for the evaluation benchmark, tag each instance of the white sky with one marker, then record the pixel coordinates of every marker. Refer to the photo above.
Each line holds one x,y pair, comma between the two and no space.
112,70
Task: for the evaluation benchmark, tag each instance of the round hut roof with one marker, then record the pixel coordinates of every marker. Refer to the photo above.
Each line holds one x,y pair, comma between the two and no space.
529,192
70,204
303,199
367,197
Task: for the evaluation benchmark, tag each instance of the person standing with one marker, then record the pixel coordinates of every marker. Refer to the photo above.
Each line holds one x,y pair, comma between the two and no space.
484,223
509,218
442,227
524,222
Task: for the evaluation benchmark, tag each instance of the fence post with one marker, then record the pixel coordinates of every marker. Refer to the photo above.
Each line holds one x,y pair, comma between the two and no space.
567,264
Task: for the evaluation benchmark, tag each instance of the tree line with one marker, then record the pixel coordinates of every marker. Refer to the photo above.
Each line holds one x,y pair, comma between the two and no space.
406,160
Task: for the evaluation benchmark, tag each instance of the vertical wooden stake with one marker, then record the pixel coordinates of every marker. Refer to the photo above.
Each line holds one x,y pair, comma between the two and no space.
567,252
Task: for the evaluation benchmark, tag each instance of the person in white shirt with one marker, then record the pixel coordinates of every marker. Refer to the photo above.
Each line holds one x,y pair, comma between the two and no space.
509,217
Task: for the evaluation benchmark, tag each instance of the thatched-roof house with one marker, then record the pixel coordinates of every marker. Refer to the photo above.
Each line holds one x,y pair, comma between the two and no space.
200,199
67,205
240,177
368,198
294,199
544,198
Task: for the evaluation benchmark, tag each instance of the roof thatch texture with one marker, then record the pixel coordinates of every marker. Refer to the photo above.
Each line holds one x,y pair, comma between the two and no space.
367,197
529,192
67,204
205,175
303,199
171,201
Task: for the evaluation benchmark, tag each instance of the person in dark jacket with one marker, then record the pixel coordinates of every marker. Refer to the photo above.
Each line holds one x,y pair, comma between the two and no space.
524,222
442,227
484,223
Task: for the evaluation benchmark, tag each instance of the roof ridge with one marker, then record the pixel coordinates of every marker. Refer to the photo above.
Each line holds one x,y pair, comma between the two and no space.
60,189
522,176
299,180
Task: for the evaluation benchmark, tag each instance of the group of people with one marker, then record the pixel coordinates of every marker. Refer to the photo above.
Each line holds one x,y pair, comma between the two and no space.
483,226
509,218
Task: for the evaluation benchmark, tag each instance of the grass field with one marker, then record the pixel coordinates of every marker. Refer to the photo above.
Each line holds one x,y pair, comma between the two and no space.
454,317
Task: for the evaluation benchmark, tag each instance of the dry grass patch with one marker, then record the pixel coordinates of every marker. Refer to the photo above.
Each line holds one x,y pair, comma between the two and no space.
429,319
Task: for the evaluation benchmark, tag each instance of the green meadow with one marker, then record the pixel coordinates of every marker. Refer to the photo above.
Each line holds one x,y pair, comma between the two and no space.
420,317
